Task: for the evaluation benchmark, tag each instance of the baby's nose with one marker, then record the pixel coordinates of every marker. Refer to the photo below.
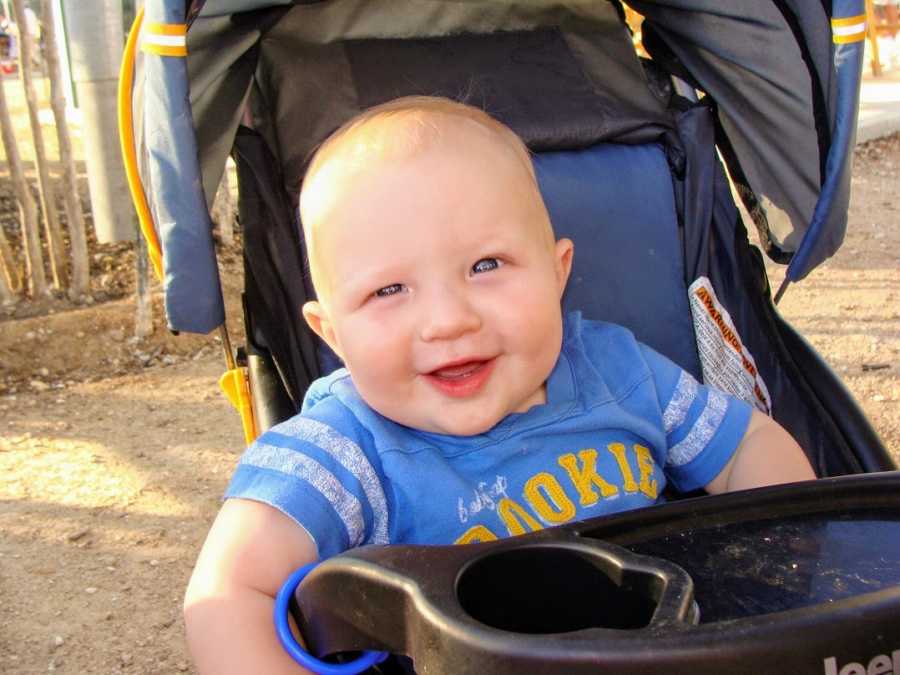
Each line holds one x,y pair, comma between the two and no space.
448,316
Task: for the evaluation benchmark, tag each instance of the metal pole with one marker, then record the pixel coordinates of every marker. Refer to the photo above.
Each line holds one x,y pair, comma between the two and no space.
96,41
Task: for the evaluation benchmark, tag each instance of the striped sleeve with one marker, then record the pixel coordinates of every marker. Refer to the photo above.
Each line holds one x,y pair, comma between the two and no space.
319,477
703,426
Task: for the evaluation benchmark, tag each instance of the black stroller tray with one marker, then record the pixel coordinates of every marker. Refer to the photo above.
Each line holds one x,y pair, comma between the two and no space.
790,579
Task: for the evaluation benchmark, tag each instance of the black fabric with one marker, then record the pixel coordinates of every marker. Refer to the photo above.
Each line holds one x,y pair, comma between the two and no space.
717,247
499,73
223,57
817,61
276,276
762,79
556,90
748,197
869,451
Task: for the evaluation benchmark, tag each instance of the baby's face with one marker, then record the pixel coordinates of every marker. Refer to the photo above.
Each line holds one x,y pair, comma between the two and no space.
442,286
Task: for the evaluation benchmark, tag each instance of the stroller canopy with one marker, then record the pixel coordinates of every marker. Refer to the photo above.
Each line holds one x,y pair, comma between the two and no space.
783,77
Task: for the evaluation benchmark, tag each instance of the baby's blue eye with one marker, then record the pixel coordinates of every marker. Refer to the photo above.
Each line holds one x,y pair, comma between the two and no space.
485,265
393,289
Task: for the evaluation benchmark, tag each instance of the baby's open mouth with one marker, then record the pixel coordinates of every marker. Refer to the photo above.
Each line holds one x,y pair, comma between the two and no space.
461,379
458,371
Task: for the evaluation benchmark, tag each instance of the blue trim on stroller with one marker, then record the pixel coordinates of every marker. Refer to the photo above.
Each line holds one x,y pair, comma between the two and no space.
822,237
193,291
617,203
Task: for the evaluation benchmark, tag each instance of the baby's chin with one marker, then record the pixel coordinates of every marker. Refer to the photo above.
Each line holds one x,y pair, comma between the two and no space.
459,424
469,419
467,427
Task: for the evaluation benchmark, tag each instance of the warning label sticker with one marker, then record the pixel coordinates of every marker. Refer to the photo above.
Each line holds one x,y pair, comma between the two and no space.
726,362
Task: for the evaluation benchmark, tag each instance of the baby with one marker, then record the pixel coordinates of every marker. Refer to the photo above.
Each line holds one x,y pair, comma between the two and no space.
470,408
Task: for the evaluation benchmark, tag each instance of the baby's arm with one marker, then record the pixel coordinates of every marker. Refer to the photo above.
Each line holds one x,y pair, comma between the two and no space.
249,552
767,455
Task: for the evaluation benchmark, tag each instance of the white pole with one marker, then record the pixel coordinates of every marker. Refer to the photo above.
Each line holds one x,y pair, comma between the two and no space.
96,41
62,48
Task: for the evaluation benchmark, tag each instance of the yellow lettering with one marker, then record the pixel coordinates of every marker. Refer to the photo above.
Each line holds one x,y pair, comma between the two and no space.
584,477
477,533
646,467
618,451
513,515
543,485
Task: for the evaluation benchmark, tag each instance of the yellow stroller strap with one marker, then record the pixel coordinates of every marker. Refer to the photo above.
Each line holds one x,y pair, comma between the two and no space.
129,155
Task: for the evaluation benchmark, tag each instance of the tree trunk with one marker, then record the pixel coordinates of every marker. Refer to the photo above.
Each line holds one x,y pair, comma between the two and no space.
46,187
6,294
31,240
223,211
81,280
9,273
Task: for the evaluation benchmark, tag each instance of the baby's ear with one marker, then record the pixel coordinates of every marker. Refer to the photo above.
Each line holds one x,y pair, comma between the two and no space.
563,253
317,318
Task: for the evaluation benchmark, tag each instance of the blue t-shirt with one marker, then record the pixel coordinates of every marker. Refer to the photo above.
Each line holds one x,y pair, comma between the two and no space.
619,422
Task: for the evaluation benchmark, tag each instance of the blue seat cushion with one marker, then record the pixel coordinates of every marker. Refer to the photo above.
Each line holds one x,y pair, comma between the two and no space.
617,203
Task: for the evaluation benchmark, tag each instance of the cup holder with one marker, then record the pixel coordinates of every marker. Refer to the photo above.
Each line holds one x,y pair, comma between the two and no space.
544,590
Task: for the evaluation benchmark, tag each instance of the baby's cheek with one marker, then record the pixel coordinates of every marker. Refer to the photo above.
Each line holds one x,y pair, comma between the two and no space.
383,365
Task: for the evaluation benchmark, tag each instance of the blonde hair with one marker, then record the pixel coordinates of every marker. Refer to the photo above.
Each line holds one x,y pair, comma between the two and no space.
396,129
410,125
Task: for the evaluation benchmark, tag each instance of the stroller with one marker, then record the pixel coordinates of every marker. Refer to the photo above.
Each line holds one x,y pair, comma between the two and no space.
631,156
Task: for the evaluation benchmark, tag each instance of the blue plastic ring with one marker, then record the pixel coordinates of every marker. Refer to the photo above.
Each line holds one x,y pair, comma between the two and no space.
282,607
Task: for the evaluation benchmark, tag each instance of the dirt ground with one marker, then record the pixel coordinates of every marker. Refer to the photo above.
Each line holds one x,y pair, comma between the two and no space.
114,452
